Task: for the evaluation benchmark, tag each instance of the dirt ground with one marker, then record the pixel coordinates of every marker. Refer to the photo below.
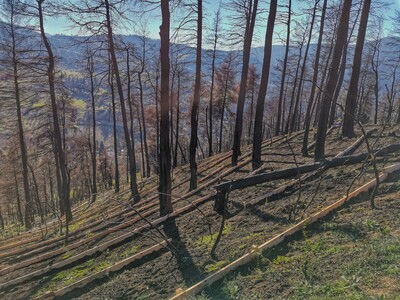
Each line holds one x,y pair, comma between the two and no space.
351,254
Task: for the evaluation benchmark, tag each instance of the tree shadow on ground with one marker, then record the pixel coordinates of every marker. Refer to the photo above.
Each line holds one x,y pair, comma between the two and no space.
264,216
190,272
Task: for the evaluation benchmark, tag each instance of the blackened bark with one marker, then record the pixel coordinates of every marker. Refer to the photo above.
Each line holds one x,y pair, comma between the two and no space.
21,134
111,49
214,55
59,151
248,37
90,69
115,132
196,100
146,148
279,118
303,68
257,139
351,100
374,66
165,153
178,93
307,120
332,80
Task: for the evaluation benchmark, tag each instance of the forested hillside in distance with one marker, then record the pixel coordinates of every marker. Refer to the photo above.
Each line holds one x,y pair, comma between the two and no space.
122,120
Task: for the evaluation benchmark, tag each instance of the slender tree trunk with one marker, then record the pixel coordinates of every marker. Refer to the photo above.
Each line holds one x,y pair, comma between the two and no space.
248,37
376,53
196,100
257,139
132,165
165,153
19,209
175,161
60,155
291,110
21,135
115,132
214,55
146,148
303,68
2,225
130,105
251,113
279,118
90,68
342,72
349,116
332,79
307,120
141,141
225,95
38,203
157,121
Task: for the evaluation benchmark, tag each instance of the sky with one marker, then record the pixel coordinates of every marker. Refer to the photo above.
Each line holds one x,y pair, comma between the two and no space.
62,26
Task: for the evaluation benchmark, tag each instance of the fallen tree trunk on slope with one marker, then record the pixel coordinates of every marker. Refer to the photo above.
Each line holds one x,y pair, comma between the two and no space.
184,294
103,273
90,252
224,188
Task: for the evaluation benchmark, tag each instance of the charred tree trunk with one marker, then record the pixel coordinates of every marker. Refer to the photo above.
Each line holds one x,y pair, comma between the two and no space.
374,66
342,72
307,120
291,110
21,134
146,148
90,69
248,37
165,153
59,151
303,68
19,209
214,55
332,79
175,161
279,118
257,139
111,48
351,100
115,132
196,100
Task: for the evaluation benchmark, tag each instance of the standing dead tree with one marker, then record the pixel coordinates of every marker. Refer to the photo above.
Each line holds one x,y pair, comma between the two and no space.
257,139
332,80
250,11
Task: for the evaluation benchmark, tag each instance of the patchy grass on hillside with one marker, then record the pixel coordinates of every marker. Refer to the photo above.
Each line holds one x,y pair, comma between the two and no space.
355,254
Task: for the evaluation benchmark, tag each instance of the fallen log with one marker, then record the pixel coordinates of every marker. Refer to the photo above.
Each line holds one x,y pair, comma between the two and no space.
281,237
70,247
223,188
118,240
282,190
104,273
356,144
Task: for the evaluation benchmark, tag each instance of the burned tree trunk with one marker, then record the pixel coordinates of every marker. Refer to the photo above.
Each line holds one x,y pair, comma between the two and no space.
165,153
257,139
332,80
351,100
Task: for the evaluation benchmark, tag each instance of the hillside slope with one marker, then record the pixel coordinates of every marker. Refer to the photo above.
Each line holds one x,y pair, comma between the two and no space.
113,230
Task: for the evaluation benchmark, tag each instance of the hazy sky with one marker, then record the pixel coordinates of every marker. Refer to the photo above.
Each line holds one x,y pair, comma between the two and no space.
61,25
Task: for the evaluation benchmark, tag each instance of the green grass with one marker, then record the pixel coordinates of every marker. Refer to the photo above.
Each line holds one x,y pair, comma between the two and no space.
212,267
130,251
207,240
69,276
